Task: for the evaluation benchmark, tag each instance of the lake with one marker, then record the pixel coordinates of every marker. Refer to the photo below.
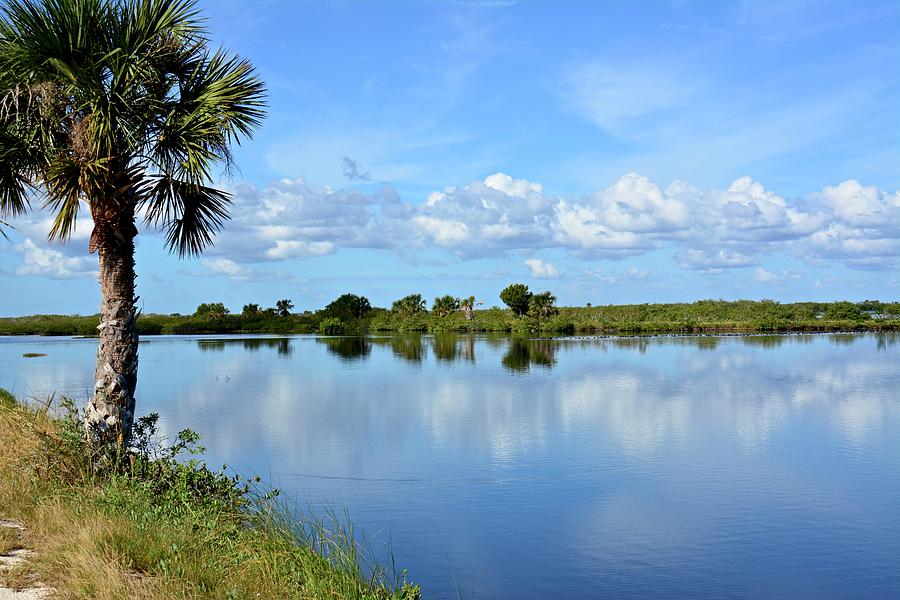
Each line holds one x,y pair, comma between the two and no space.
497,467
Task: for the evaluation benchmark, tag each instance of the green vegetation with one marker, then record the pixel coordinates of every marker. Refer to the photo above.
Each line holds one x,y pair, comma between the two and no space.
331,326
444,306
411,305
353,315
163,525
517,297
33,355
284,308
348,307
6,398
212,310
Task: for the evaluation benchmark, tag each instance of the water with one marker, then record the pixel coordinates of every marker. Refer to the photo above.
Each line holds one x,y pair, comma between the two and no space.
714,467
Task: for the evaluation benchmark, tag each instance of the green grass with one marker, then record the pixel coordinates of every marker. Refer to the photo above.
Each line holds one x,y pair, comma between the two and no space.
164,527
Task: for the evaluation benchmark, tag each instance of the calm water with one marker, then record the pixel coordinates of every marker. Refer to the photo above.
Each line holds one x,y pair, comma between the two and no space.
755,467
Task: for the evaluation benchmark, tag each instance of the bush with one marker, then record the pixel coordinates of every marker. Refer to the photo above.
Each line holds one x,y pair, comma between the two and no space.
331,326
844,311
211,310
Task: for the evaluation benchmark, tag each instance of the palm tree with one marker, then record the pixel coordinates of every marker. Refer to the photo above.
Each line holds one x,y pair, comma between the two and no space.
468,306
445,305
284,307
413,304
542,305
251,310
122,108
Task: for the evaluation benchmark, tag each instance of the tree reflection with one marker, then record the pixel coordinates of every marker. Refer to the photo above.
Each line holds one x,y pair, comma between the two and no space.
407,347
764,341
211,345
348,348
632,343
281,345
886,340
523,353
843,339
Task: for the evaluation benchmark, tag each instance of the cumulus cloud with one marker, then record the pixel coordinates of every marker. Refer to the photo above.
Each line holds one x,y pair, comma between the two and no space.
47,262
707,230
225,266
541,269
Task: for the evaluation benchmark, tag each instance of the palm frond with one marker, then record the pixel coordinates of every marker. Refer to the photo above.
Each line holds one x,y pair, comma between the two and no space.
190,213
119,103
68,181
217,103
14,183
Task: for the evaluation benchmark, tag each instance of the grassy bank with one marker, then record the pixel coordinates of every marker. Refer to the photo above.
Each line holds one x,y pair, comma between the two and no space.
705,316
160,527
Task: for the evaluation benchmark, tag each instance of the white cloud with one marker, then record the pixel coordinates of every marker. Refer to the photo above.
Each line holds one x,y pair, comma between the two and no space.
296,249
628,276
519,188
713,261
444,232
708,230
46,262
764,276
541,269
225,266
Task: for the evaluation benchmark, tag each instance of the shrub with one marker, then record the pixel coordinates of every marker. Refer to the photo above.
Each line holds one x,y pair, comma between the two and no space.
211,310
844,311
331,326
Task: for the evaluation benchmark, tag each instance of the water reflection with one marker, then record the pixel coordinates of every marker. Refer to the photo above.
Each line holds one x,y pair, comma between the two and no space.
411,348
777,454
348,348
523,353
281,345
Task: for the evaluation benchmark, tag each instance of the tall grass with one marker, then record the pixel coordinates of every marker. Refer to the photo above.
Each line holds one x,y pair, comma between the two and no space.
166,527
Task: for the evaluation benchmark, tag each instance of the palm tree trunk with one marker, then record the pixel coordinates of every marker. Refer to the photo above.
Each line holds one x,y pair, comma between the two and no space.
109,414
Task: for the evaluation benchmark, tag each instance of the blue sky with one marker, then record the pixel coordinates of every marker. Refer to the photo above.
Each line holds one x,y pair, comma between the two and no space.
611,152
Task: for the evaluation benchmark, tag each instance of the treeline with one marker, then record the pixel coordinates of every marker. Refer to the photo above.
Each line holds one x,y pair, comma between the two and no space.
525,312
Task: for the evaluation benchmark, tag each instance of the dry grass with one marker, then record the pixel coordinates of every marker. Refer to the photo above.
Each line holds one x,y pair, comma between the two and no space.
119,538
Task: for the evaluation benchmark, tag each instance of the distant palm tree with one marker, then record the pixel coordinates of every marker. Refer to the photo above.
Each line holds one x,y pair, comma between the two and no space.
251,310
543,304
468,306
413,304
445,305
119,106
284,307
